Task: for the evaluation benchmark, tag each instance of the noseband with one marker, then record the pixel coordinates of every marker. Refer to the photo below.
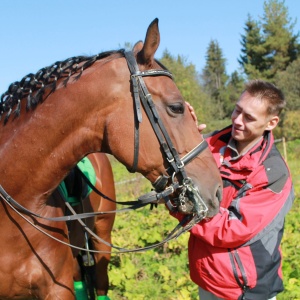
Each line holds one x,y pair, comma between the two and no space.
186,187
189,201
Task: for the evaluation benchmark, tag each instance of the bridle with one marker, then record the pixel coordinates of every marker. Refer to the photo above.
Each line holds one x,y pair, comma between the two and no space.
188,193
176,165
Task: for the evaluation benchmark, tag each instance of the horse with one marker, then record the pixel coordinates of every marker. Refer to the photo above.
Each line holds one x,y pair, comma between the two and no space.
124,103
92,274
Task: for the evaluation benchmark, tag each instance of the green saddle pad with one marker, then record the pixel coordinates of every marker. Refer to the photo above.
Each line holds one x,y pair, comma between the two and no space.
87,169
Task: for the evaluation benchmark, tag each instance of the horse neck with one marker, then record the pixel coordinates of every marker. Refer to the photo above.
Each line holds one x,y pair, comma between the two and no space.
43,145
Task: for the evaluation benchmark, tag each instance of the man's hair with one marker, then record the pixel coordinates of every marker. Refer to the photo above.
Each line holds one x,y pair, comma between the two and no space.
267,91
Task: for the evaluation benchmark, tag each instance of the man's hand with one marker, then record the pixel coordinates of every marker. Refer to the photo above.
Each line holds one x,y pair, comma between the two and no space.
192,111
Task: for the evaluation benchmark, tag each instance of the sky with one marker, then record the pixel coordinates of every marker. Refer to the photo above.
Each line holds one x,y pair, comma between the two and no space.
35,34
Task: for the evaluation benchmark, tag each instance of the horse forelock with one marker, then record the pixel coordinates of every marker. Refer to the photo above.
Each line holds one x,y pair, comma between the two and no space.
31,88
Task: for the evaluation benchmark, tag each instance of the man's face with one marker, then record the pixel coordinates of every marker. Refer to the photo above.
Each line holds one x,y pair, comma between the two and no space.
249,119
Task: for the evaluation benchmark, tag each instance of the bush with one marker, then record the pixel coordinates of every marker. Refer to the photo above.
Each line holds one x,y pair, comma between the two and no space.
290,128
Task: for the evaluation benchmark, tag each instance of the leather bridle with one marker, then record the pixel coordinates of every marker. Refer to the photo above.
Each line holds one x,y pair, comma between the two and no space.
176,165
185,187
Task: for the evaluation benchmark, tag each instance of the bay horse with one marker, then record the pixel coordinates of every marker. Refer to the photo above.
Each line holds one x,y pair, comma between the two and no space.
124,103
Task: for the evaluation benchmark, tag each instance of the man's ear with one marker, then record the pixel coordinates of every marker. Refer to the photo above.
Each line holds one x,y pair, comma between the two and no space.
272,123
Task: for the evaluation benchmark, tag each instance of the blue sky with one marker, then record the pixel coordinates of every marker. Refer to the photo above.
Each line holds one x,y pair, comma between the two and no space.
34,34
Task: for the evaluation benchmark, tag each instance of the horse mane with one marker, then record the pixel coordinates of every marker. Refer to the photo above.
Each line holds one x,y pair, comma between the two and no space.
32,86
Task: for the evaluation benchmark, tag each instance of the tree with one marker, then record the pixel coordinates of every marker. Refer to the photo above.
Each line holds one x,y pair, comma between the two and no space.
288,81
280,43
269,46
214,76
186,79
252,59
233,91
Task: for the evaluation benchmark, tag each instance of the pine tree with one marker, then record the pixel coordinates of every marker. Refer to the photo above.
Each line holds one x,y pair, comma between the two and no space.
214,76
280,43
269,46
253,50
233,91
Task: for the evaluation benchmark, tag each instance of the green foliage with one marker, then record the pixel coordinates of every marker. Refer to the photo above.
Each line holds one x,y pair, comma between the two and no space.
214,72
252,59
186,79
269,46
290,128
161,273
214,77
291,252
280,42
290,241
216,124
231,94
288,81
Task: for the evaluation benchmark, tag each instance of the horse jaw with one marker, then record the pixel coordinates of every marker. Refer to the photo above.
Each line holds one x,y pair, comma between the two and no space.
145,52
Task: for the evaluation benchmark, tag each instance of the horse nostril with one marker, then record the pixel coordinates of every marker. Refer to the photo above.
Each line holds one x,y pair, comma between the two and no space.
219,193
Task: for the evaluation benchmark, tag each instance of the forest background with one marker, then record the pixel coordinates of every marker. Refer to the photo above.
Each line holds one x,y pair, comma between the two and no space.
270,51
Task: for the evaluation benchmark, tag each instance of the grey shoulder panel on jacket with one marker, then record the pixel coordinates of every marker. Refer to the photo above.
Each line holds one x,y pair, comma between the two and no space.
277,173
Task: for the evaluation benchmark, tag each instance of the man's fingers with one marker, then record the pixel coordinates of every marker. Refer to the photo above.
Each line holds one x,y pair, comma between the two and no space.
201,127
192,111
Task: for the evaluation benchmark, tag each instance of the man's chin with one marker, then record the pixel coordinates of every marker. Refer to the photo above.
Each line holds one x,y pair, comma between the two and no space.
237,136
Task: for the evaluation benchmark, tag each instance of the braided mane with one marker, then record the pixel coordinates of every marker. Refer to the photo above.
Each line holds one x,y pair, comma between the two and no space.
32,86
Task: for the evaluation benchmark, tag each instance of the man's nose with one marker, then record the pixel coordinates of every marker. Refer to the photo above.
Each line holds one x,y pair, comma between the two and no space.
238,119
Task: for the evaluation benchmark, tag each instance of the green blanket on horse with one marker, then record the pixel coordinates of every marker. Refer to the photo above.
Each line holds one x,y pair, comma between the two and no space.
74,188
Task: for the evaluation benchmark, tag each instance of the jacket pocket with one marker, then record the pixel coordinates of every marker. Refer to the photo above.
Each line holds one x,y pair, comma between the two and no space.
243,267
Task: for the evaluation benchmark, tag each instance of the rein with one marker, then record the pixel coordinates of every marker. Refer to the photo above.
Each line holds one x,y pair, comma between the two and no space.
186,187
17,208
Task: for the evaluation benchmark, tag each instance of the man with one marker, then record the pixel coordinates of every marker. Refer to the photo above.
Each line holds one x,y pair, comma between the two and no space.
236,254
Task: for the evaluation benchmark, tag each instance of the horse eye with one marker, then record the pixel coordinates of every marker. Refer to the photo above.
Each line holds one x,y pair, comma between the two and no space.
177,108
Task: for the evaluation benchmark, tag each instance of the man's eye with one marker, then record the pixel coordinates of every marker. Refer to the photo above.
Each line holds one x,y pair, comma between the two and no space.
250,118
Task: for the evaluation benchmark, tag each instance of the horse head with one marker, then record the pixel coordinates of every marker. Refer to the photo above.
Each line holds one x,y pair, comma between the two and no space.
168,149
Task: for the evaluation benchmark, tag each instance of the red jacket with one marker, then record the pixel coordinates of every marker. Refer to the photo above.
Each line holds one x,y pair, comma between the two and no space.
237,253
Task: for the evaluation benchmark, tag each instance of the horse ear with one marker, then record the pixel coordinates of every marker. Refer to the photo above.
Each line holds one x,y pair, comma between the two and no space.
146,54
137,47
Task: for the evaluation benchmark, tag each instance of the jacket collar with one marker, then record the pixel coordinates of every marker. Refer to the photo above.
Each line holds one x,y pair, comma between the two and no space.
232,162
